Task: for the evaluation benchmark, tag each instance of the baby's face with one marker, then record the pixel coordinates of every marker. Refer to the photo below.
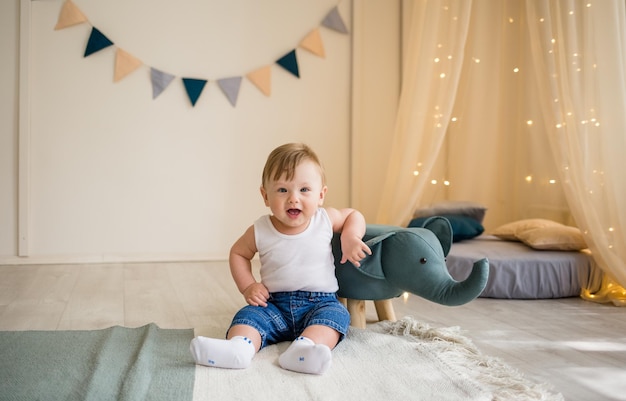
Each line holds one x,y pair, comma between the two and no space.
293,202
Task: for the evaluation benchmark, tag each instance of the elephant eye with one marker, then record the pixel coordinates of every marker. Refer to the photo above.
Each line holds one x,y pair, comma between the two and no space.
423,261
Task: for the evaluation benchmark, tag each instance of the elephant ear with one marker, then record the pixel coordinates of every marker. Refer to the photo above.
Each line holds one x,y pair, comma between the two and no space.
371,265
443,231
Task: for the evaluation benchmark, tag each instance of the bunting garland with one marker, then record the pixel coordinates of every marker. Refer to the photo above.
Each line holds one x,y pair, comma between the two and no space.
262,78
70,15
126,63
160,81
290,63
334,21
313,43
97,41
230,87
194,88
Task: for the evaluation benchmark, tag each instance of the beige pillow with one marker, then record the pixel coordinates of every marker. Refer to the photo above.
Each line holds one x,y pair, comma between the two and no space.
558,238
511,230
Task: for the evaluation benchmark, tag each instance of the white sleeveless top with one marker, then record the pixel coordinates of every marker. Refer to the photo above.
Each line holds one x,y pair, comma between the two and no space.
301,262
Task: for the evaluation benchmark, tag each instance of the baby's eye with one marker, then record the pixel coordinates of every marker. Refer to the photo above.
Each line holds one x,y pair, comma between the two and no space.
282,190
305,190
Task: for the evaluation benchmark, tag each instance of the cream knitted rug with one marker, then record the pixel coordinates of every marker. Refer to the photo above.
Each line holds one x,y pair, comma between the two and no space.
404,360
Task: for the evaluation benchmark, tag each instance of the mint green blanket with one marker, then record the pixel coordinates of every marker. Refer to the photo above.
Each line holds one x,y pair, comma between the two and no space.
118,363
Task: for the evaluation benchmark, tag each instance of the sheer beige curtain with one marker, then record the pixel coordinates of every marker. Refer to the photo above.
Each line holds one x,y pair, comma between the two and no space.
519,106
496,152
469,127
579,54
431,73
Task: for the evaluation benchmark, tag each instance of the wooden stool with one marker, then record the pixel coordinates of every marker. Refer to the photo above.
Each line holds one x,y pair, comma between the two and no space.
356,307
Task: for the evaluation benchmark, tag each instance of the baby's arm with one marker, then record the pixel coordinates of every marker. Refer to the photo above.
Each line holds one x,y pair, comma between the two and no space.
241,254
351,224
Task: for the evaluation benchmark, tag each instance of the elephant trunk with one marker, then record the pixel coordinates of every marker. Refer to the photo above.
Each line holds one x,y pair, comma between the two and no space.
456,293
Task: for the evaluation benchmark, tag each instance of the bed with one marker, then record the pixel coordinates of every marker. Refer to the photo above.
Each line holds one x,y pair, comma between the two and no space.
517,271
528,259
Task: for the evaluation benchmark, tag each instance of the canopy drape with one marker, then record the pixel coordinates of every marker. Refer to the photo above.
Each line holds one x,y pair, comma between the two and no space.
518,106
579,54
431,71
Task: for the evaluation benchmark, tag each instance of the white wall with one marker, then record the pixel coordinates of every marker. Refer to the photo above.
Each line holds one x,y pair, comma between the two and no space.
115,176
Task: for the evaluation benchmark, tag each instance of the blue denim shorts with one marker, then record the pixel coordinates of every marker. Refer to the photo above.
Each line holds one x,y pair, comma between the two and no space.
287,314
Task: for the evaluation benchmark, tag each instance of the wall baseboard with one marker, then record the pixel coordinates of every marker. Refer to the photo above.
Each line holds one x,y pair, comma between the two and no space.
6,260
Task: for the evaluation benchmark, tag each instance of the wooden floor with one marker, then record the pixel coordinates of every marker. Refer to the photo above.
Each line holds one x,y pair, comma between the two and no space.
577,346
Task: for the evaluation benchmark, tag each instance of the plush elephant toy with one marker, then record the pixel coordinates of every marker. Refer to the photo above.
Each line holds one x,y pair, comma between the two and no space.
408,259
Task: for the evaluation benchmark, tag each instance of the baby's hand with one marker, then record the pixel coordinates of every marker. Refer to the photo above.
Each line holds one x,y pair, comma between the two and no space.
256,295
353,250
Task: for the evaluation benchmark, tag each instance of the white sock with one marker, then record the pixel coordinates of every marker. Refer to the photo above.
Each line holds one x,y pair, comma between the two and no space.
235,353
304,356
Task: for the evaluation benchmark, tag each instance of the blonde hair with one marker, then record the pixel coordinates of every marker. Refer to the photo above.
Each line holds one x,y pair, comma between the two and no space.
284,160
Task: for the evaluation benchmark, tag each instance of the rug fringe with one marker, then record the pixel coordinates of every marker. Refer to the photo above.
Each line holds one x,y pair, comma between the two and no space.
507,382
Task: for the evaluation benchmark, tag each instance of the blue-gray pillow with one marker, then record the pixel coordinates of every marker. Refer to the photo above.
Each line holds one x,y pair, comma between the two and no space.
463,227
453,208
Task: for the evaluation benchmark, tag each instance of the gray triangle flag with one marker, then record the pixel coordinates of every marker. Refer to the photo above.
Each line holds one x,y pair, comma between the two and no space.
334,21
230,87
160,81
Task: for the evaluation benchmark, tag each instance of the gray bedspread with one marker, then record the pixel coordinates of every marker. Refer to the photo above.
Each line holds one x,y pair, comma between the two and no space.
519,272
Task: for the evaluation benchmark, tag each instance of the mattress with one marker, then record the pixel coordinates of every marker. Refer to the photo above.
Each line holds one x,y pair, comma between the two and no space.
517,271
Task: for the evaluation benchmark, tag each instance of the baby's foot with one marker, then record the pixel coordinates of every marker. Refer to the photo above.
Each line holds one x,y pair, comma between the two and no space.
235,353
304,356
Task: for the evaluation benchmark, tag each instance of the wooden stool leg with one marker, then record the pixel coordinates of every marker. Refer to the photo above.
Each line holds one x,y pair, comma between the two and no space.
384,309
357,313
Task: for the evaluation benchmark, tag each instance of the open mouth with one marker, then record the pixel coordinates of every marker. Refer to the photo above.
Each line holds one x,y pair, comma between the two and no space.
294,212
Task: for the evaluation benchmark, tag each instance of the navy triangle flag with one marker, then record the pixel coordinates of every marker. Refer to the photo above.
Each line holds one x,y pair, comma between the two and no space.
290,63
97,41
230,87
194,88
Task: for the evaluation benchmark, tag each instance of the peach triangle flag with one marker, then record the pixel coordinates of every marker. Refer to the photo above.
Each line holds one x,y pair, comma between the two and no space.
262,78
70,15
125,63
313,43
